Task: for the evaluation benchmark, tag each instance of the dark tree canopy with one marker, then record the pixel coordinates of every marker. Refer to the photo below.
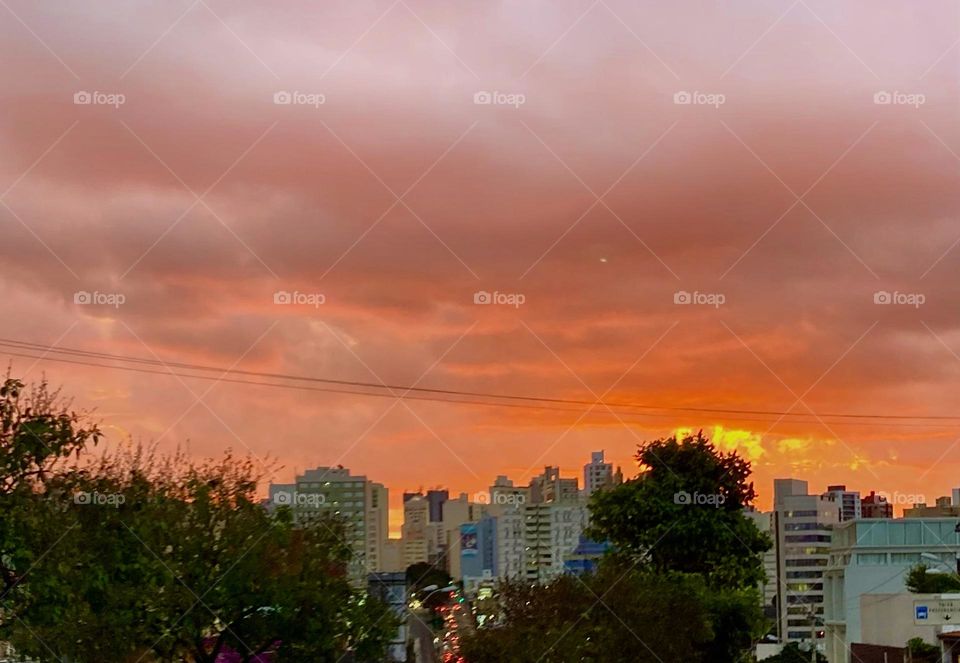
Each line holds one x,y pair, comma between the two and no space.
684,512
133,556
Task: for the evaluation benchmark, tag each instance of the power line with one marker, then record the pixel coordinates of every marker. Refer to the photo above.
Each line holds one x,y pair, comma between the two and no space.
358,388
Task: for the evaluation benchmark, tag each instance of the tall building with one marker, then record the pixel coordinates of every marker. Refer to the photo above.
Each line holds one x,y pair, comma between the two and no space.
361,506
378,524
550,487
597,473
504,493
511,543
848,501
436,498
768,586
506,504
392,560
551,534
456,512
803,524
873,557
478,549
876,506
416,533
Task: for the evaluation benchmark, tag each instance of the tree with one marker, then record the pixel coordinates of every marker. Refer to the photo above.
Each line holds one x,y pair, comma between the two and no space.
922,652
684,512
133,556
617,614
38,432
791,653
179,559
921,581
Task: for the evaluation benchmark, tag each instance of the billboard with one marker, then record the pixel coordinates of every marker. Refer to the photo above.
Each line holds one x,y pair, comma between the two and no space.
469,545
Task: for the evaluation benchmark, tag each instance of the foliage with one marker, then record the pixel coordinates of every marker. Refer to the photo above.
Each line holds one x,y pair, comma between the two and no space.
684,513
921,581
611,616
922,652
135,555
791,653
38,432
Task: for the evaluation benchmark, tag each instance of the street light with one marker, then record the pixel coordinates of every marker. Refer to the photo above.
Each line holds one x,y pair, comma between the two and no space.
433,589
937,559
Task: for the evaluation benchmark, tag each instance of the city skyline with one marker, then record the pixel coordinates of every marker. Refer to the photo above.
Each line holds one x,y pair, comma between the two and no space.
740,211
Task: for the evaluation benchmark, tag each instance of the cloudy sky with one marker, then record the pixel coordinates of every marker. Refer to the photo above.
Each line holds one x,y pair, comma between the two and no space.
723,205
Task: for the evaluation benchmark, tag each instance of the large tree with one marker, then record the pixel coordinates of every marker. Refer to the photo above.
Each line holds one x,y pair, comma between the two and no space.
132,555
685,512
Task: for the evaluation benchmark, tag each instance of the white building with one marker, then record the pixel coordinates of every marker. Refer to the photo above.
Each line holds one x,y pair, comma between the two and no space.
803,525
511,546
551,532
848,502
456,512
871,557
360,504
597,473
768,586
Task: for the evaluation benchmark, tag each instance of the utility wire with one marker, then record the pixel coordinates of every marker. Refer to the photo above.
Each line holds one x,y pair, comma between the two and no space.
24,348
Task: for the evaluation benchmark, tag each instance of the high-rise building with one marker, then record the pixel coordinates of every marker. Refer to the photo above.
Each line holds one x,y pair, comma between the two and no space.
597,473
359,504
511,546
377,525
416,533
478,548
392,560
768,586
550,487
803,525
955,496
436,498
456,512
875,506
504,493
848,501
551,534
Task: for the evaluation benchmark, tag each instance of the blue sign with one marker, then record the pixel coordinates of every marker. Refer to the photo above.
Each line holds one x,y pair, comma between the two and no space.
922,612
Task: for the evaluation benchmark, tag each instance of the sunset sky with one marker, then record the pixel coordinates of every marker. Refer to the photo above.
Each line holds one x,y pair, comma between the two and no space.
817,164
